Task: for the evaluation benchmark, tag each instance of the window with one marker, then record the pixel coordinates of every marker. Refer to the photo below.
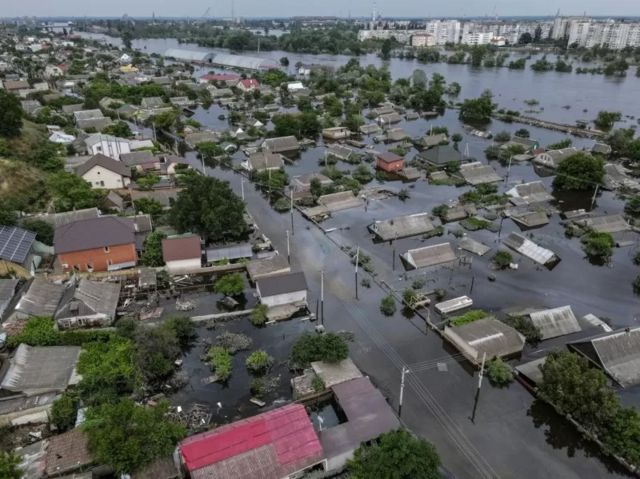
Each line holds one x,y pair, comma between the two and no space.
106,249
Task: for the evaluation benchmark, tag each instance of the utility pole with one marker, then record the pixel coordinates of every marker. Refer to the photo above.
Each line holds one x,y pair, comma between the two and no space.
288,249
506,180
480,377
595,194
321,296
356,269
204,171
293,231
242,187
405,370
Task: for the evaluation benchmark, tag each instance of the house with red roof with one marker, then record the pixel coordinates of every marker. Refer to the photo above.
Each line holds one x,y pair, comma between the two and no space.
248,84
277,444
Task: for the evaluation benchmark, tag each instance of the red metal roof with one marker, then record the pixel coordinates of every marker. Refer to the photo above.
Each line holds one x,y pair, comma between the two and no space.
283,438
181,247
250,83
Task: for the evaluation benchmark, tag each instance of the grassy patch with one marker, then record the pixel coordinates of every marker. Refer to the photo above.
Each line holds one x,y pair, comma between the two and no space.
468,317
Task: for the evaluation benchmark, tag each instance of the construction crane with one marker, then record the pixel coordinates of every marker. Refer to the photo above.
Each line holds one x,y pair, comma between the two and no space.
205,14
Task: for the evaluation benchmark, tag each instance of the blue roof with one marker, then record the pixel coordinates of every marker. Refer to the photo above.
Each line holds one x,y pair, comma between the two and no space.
15,243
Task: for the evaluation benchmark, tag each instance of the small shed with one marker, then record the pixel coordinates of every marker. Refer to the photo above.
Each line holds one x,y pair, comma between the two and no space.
389,162
283,289
487,335
182,253
402,226
555,322
477,173
429,256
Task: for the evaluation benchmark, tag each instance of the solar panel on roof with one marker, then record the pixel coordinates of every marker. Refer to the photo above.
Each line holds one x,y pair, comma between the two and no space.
15,243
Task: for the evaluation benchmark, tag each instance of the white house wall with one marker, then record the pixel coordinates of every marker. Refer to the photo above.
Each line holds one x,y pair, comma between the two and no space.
288,298
99,177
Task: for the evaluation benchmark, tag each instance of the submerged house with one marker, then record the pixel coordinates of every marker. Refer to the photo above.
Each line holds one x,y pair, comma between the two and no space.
89,304
555,322
617,353
285,145
429,256
282,290
402,227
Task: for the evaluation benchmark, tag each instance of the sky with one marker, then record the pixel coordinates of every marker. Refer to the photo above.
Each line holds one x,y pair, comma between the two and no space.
275,8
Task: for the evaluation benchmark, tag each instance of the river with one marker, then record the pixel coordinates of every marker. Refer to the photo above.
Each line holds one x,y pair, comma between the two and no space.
563,97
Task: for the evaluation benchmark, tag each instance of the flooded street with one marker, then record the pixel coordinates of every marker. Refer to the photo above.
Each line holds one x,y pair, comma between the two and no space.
509,430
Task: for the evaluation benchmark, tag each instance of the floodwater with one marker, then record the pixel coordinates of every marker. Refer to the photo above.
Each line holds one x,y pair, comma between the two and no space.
563,97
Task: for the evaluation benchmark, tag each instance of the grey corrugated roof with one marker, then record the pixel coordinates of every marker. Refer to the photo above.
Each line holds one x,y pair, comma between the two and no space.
91,298
93,233
606,224
105,162
41,299
476,247
618,354
368,416
555,322
477,173
229,252
282,284
529,249
137,158
530,219
533,192
7,289
15,243
242,61
59,219
281,144
489,336
268,267
263,160
36,370
430,255
402,226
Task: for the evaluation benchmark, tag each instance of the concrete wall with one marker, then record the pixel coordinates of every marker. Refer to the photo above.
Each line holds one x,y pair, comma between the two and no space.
280,299
184,265
99,177
77,322
99,258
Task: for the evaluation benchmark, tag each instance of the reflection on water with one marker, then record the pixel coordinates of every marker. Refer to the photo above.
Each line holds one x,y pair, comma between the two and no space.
561,434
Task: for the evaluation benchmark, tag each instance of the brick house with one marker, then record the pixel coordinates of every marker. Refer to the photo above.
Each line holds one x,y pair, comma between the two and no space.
389,162
105,243
248,84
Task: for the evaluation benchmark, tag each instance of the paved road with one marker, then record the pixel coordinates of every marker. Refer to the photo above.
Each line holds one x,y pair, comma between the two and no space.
511,435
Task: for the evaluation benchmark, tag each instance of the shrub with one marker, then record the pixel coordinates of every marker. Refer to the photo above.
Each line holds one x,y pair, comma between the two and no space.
64,411
259,362
182,328
282,205
388,305
409,296
220,361
258,387
525,327
229,284
317,384
468,317
502,259
598,246
502,137
259,315
326,347
499,373
522,133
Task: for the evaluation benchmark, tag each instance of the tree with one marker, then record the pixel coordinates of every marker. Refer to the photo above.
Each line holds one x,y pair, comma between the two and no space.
8,217
165,120
128,437
579,172
182,328
70,192
152,251
220,361
598,246
398,455
632,207
208,207
525,38
362,174
148,206
10,465
10,115
258,362
42,229
502,259
499,373
388,305
229,284
284,61
478,110
522,133
524,326
573,386
328,347
156,351
606,119
409,297
64,411
108,371
120,129
385,50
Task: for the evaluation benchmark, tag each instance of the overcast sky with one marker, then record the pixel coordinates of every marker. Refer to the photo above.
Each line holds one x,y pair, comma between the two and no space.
271,8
